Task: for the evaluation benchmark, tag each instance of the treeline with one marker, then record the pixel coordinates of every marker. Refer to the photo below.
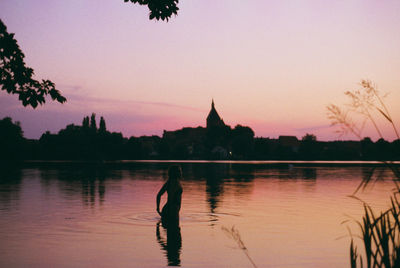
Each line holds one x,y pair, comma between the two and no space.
309,148
92,141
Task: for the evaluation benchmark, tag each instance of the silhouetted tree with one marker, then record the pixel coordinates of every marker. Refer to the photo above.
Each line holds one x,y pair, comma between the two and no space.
383,149
396,149
10,130
16,78
367,149
84,142
93,125
102,125
159,9
309,147
11,138
309,138
85,122
242,141
262,148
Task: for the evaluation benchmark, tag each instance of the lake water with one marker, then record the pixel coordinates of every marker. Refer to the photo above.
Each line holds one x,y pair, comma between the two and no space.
96,216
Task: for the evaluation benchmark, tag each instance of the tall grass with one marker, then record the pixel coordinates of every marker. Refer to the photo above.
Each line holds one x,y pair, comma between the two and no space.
235,235
380,234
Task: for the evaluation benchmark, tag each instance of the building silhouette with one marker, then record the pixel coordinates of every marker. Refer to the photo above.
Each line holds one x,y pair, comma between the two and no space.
213,119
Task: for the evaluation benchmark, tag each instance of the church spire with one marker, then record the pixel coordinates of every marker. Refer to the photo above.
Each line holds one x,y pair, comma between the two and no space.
213,119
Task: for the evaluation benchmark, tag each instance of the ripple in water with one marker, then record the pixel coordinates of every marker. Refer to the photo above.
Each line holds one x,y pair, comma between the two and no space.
150,218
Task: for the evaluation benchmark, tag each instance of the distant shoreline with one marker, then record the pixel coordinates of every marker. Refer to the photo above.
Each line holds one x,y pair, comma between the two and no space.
270,163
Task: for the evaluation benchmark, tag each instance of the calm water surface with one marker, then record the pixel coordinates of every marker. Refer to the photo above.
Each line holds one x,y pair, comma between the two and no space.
96,217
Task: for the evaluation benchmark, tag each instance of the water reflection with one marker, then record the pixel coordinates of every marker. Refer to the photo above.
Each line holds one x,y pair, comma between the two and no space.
309,173
214,188
295,173
45,209
216,175
243,173
88,182
171,244
10,186
243,176
220,180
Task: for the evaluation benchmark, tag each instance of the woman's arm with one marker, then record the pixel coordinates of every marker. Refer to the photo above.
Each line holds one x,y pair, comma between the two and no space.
160,193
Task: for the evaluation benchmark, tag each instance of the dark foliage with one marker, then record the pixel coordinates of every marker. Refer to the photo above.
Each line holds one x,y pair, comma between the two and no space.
102,125
93,124
85,122
159,9
82,142
16,78
309,147
90,141
11,140
242,141
309,138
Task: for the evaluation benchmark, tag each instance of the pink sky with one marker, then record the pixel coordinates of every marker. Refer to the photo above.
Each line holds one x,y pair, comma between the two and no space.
271,65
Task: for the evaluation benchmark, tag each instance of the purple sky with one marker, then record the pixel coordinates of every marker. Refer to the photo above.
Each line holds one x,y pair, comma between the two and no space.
272,65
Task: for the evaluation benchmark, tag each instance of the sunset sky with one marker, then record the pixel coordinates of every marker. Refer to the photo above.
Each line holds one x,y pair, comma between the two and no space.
271,65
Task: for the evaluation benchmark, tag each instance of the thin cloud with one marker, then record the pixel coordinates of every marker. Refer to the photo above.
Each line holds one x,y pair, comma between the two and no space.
312,128
69,87
71,98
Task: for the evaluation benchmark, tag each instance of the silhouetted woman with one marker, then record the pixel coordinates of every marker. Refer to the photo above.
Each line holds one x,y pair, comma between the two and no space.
170,212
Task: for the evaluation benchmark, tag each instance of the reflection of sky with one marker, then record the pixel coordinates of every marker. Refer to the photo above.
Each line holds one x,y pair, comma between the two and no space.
273,66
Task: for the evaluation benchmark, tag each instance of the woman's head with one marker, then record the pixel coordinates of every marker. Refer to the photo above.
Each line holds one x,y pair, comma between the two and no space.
174,172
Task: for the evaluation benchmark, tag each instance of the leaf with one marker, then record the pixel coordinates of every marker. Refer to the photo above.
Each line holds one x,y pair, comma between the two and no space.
385,115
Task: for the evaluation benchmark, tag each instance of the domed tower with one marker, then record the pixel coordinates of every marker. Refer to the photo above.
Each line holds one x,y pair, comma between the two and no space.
213,119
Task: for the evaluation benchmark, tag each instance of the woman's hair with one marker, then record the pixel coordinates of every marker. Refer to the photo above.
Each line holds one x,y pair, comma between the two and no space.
174,172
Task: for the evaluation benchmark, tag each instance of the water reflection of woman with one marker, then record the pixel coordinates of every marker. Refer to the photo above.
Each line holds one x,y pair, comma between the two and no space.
170,212
172,245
